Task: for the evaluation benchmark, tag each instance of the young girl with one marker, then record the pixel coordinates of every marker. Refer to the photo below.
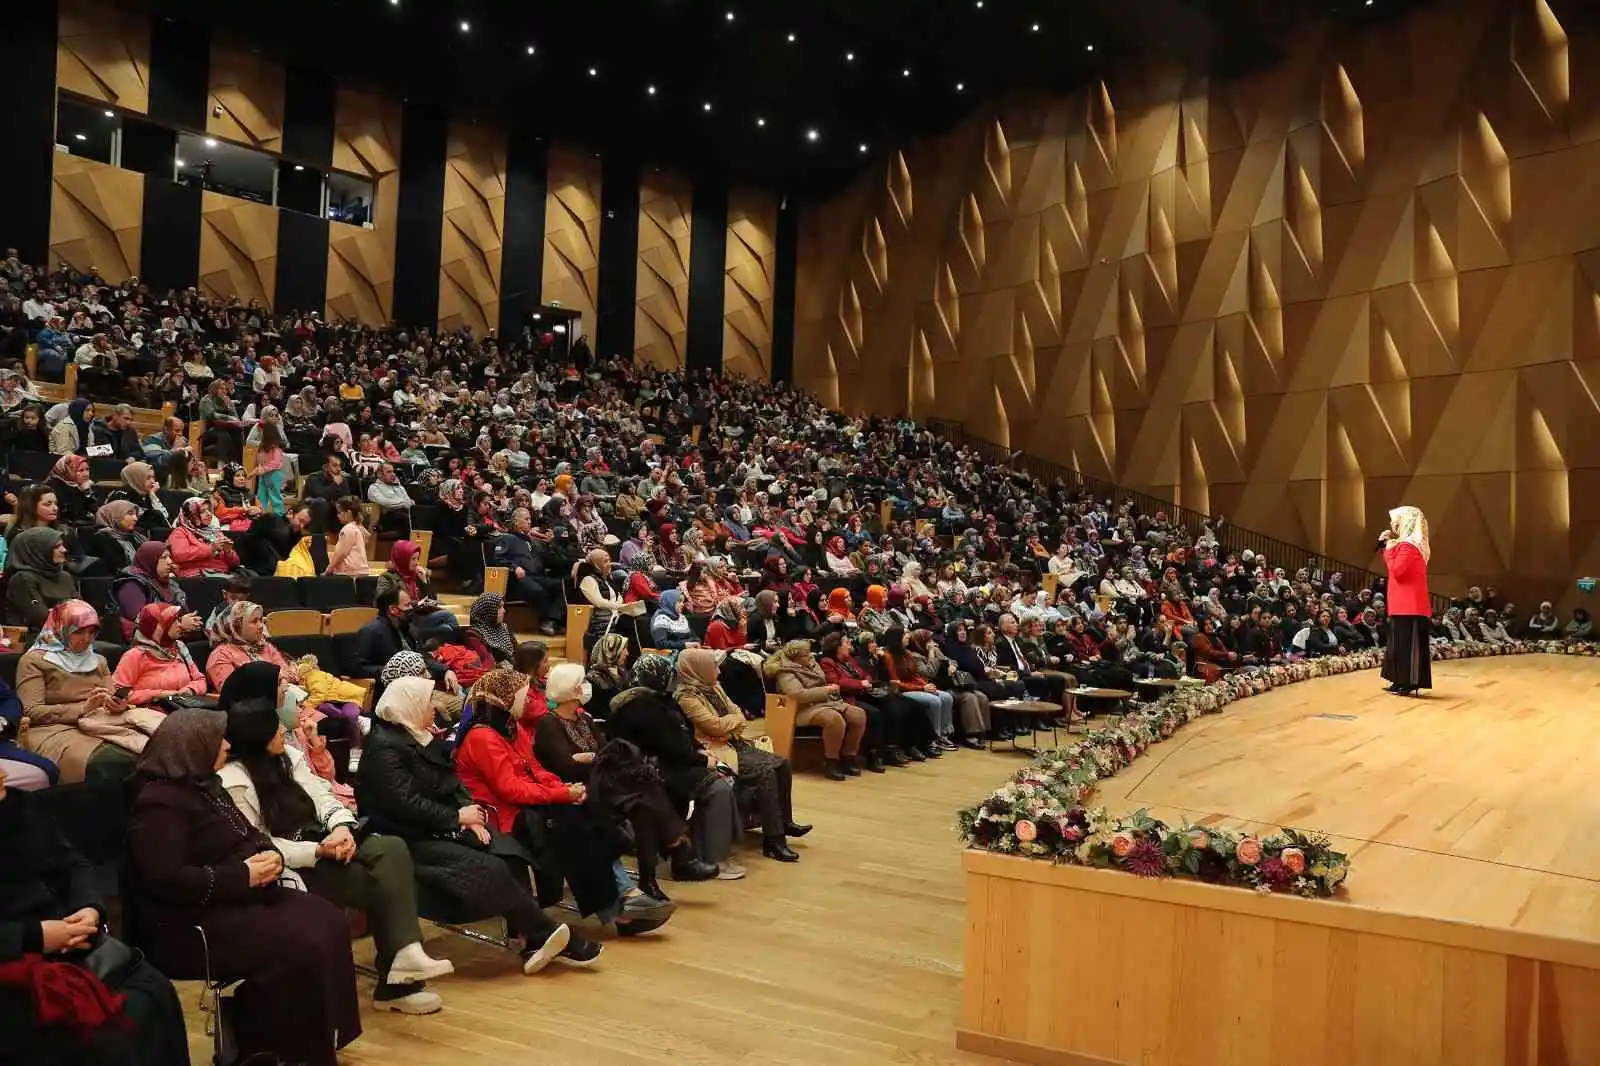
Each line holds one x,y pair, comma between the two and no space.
269,469
349,555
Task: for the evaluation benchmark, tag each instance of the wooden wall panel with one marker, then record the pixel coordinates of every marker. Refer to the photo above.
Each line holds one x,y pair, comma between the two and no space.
103,52
747,298
571,275
250,91
238,248
96,213
1297,298
366,141
474,228
661,316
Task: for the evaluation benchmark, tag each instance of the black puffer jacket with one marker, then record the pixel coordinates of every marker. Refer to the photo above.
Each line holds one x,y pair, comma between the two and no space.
408,790
654,723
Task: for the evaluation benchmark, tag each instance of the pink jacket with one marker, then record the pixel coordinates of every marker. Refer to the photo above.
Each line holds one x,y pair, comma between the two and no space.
349,554
226,658
191,555
150,677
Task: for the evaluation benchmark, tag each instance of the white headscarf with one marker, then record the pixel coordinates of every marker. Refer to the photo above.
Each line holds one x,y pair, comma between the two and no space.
1410,525
408,702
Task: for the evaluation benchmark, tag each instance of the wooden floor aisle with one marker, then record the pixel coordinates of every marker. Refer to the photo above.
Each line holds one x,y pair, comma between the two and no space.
851,956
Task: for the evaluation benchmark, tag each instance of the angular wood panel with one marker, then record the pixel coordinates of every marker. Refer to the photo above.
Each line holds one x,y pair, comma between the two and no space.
1297,298
238,248
474,228
96,217
249,90
571,273
103,52
366,141
747,295
661,296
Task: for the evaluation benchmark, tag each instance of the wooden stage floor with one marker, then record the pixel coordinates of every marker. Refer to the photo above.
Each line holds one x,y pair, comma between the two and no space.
1479,803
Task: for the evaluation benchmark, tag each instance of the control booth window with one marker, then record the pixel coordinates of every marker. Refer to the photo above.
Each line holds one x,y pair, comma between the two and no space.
350,199
226,168
86,129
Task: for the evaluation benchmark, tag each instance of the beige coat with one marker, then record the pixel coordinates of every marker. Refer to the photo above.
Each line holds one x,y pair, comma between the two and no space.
809,690
52,701
716,732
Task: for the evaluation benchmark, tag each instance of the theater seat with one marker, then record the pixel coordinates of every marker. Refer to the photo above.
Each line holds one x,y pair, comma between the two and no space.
204,594
329,592
275,593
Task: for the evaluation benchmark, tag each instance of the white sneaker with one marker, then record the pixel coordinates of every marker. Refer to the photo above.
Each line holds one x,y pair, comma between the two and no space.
412,964
539,958
728,870
421,1001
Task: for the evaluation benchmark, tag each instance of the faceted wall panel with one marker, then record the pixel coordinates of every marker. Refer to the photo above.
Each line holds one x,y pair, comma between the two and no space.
1368,276
474,227
366,141
238,249
661,317
571,274
248,91
747,301
96,217
103,52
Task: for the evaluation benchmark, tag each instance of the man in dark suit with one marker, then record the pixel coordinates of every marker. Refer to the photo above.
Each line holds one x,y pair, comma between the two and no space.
522,553
1010,654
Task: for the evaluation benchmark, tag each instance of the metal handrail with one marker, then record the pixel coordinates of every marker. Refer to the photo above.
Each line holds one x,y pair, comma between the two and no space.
1232,537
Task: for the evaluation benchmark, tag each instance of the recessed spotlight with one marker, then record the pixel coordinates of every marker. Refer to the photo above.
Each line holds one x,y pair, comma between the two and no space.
81,136
211,142
466,27
594,72
980,3
1035,27
558,328
651,89
1088,48
531,49
394,3
761,122
111,114
791,38
729,16
961,86
862,148
849,57
706,106
813,136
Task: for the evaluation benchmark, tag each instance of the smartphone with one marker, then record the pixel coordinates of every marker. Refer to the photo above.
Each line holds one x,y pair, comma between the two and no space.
123,691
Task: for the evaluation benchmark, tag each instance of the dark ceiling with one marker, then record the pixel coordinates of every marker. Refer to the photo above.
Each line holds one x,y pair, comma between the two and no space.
861,75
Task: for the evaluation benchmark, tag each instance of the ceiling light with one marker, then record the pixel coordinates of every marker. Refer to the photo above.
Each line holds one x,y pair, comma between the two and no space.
394,3
849,57
706,106
980,3
906,73
761,122
177,162
466,27
594,72
537,316
813,136
1035,27
211,142
81,136
863,148
111,114
729,16
961,86
791,38
1088,48
651,89
530,49
298,168
558,328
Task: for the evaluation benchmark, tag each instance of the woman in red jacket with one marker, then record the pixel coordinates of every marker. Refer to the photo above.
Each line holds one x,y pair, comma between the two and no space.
198,545
1406,662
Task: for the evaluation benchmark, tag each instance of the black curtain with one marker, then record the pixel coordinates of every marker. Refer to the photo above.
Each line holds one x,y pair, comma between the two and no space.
787,253
308,116
27,127
180,67
302,262
619,254
522,244
708,253
169,246
419,234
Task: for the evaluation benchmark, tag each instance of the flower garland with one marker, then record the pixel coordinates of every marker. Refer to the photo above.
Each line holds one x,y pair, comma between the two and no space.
1040,812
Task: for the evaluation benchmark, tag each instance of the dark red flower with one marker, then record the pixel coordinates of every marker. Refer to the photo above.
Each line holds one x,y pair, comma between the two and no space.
1146,860
1275,873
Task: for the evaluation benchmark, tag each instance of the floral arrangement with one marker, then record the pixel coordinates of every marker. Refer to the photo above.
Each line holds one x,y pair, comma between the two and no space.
1041,813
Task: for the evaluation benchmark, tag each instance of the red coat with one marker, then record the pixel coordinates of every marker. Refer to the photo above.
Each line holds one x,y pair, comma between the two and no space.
1408,580
720,638
503,774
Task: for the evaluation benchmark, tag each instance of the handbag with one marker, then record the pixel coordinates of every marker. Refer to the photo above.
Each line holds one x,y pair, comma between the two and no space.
111,960
964,681
186,701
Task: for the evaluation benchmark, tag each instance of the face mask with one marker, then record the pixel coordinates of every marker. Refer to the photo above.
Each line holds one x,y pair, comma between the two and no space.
585,690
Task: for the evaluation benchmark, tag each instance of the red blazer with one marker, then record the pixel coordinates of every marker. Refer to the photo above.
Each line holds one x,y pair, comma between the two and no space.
720,638
503,774
846,675
1408,580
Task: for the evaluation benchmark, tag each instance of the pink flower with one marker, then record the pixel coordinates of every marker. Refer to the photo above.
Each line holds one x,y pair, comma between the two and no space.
1026,831
1199,840
1294,859
1249,851
1122,844
1072,833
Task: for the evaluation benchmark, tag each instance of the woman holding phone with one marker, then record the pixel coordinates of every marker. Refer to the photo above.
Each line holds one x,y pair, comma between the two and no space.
1406,662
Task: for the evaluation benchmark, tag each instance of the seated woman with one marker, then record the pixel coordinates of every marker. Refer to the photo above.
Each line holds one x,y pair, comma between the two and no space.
195,860
240,637
39,577
51,913
533,664
933,666
198,545
429,619
148,580
116,536
75,494
987,681
719,725
1580,628
608,674
566,742
795,673
901,672
1321,639
273,785
35,507
1211,657
669,629
888,738
231,500
488,624
407,787
158,665
741,668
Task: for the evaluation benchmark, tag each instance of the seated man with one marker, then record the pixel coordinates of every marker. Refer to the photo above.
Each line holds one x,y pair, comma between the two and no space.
394,504
521,551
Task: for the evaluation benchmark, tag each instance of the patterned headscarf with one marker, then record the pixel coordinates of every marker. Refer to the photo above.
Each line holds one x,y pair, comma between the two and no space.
65,619
73,469
227,626
484,618
1411,526
403,664
189,517
497,687
153,632
453,494
654,672
605,659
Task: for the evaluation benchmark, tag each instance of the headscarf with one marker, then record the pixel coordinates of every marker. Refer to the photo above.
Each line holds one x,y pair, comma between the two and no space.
228,628
185,748
877,597
75,411
605,659
839,602
484,617
698,669
564,684
153,631
408,702
1411,526
498,687
65,619
404,664
33,551
669,601
231,494
654,672
403,561
114,512
453,494
72,469
145,561
189,518
727,609
135,476
787,658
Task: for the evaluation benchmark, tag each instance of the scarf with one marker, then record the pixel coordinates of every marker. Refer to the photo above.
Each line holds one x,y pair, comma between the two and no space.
227,626
484,617
33,552
230,494
153,632
605,660
145,561
403,664
453,494
65,619
189,518
73,470
403,561
1411,526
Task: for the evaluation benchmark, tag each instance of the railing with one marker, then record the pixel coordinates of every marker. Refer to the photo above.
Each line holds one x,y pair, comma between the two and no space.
1232,537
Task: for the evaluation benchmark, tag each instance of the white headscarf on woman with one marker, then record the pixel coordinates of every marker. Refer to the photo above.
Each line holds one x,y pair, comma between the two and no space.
1411,525
408,702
